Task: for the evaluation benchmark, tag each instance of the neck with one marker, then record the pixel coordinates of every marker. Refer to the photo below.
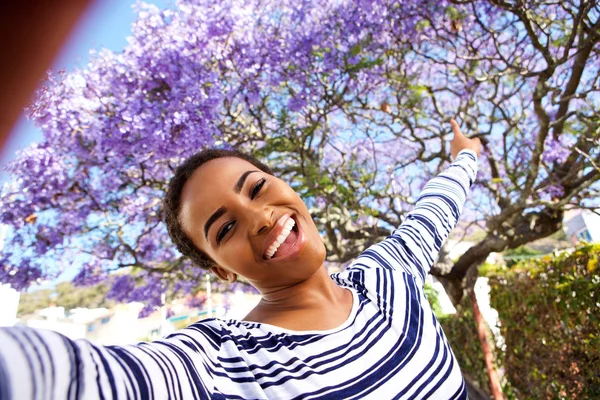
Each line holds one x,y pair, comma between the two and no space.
315,291
316,303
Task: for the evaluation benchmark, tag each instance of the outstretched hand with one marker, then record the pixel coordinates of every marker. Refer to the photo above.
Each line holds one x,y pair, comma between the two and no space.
460,142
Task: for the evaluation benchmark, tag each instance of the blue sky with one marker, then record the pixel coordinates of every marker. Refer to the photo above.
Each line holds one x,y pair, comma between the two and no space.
106,24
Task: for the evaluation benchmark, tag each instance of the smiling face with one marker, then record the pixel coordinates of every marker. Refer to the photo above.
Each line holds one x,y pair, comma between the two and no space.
236,213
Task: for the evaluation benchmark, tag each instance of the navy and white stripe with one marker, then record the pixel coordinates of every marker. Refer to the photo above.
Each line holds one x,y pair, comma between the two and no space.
390,347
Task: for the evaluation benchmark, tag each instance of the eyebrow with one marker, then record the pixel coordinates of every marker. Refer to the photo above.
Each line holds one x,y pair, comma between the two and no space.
237,188
240,183
212,219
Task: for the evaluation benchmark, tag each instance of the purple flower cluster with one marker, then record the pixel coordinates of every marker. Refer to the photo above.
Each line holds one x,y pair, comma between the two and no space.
195,301
556,150
90,274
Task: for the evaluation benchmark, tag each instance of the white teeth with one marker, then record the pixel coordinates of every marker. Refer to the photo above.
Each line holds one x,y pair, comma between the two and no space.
287,228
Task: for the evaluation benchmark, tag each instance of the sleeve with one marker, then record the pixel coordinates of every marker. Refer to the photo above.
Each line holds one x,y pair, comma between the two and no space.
413,247
41,364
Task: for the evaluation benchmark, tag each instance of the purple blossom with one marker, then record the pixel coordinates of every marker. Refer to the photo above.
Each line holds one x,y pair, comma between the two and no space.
555,151
19,277
121,286
196,301
146,311
90,274
296,103
184,287
555,191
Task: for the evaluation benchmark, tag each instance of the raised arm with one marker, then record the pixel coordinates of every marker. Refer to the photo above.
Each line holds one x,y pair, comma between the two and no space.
415,245
438,208
41,364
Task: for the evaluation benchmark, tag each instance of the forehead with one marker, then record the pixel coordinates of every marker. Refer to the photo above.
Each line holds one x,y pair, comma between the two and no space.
208,188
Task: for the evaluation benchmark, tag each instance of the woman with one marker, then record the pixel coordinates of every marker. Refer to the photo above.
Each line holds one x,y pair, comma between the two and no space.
367,332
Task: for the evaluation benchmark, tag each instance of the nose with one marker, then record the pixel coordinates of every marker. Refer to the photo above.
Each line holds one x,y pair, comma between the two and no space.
260,219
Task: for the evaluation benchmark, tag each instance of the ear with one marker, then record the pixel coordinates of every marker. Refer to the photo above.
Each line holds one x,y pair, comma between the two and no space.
223,274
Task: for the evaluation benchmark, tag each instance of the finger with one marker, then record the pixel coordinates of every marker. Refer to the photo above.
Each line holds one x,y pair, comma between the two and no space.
455,129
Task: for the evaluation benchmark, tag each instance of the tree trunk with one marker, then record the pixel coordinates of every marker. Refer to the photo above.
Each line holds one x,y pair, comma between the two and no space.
528,228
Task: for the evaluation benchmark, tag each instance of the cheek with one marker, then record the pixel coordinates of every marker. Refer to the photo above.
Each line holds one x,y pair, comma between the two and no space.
237,255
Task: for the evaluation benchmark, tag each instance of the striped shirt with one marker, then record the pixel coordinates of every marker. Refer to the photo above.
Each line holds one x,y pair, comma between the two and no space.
390,347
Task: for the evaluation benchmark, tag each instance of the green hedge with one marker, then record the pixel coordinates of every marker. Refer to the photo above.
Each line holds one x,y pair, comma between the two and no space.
461,331
549,311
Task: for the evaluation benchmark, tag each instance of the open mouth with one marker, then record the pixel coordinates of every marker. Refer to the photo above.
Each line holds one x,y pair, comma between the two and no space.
285,244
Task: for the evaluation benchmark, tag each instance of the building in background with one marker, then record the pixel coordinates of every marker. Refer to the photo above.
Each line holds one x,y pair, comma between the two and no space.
582,226
121,325
9,299
117,326
231,305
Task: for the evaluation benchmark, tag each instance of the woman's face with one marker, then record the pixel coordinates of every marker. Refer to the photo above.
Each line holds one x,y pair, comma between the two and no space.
234,212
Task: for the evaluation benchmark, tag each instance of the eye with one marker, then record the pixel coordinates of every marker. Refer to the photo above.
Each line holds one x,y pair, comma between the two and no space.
257,187
224,230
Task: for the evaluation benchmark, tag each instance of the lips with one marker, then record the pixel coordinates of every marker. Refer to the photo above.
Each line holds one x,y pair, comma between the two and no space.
276,231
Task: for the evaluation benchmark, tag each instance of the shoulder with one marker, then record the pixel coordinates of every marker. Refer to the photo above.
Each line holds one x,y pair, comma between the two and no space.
208,331
218,330
383,257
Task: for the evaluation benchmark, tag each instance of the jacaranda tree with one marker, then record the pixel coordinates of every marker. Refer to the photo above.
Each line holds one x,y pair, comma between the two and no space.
348,101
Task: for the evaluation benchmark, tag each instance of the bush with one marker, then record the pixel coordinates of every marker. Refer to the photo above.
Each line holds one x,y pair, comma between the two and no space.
513,256
461,331
550,317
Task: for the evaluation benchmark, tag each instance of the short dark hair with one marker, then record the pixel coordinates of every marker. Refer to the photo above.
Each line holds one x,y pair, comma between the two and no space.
172,200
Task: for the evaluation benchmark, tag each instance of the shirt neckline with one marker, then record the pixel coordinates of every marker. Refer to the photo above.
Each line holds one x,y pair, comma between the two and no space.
345,324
